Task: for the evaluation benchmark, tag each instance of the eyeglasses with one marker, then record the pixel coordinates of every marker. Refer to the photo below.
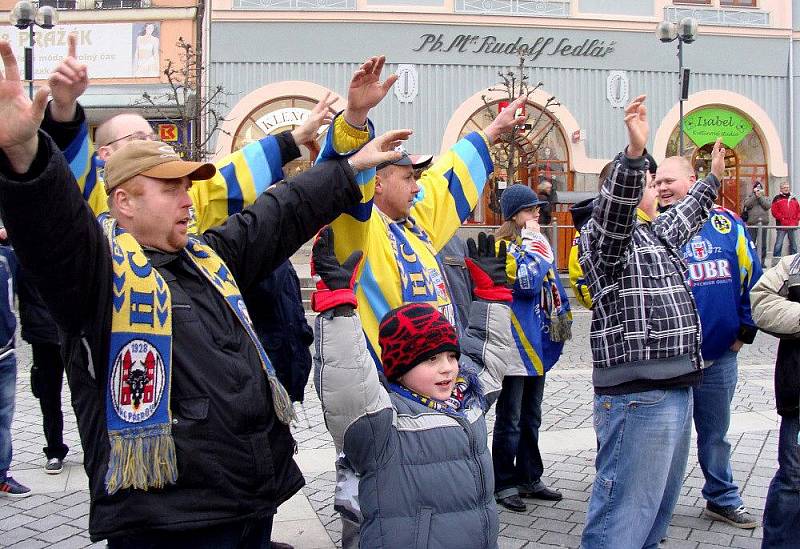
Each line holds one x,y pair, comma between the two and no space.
135,136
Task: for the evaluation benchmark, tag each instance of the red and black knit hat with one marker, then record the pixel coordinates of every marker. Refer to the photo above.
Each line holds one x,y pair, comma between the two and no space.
412,333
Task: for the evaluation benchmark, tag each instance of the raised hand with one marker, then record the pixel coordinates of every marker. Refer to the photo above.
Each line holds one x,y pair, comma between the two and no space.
533,225
366,90
321,114
506,120
334,280
638,127
21,117
67,83
487,267
718,159
380,149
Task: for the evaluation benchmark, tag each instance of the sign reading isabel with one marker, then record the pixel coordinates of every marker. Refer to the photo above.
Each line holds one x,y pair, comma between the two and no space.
704,126
530,47
110,50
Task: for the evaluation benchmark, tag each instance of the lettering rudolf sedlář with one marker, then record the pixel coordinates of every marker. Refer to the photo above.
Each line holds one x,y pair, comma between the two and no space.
464,43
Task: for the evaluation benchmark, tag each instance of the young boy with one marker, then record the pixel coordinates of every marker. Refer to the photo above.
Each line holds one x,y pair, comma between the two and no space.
420,448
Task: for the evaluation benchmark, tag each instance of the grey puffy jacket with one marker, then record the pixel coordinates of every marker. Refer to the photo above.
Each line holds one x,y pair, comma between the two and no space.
425,477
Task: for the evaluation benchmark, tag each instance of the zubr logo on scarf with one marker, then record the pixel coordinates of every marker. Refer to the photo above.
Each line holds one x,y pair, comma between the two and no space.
137,381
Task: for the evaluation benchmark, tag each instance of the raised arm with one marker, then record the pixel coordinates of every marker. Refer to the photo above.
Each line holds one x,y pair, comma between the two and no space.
56,237
614,214
451,187
352,397
678,224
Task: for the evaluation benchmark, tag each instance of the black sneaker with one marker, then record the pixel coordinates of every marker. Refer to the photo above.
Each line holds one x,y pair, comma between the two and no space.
539,491
53,466
735,516
13,489
513,503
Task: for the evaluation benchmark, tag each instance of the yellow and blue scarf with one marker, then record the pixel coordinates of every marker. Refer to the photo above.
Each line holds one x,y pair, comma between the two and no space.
138,418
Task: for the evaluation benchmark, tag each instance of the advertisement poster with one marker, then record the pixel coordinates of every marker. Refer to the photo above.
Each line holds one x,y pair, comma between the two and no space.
113,50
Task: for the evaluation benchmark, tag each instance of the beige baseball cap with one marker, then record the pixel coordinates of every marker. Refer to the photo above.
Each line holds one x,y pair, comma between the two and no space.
153,159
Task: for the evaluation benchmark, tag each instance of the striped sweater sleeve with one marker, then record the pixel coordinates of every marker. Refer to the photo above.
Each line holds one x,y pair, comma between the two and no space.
451,188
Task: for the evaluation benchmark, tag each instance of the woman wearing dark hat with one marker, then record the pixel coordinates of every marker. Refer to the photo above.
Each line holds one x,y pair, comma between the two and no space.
540,324
756,214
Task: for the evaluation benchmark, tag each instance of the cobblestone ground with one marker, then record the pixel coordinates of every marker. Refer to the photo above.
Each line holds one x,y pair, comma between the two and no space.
57,514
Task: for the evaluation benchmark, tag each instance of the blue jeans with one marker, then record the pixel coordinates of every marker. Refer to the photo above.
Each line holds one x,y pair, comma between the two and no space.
8,387
712,416
515,443
643,446
779,238
782,509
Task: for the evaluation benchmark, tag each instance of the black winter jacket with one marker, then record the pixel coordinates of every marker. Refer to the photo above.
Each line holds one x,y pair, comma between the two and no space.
234,456
37,325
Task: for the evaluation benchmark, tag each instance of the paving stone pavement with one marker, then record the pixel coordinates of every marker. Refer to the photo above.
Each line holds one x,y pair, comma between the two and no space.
57,514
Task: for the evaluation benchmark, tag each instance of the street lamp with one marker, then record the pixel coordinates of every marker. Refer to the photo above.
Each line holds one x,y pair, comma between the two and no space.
26,15
685,32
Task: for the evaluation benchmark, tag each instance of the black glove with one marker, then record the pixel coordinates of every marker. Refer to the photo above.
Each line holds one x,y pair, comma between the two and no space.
488,268
335,281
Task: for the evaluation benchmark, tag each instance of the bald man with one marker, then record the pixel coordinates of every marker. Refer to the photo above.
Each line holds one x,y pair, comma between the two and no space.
723,268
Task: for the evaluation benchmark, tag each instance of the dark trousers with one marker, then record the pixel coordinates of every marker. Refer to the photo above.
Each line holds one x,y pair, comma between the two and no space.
250,534
515,444
47,374
782,508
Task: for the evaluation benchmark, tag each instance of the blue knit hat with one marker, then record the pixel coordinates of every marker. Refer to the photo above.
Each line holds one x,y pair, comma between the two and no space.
517,197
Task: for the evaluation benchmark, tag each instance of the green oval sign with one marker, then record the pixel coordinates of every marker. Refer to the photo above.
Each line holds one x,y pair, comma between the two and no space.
704,126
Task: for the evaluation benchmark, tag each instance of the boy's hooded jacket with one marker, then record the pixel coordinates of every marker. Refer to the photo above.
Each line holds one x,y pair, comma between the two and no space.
425,476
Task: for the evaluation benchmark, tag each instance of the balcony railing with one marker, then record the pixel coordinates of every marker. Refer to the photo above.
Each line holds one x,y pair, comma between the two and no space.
732,17
120,4
60,4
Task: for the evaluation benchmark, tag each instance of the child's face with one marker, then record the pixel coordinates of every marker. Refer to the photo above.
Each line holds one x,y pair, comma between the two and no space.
434,377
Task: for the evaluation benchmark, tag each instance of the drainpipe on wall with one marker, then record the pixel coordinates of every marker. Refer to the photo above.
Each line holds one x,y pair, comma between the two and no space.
792,122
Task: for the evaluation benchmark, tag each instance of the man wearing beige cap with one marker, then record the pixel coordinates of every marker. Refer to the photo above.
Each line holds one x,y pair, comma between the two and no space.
183,423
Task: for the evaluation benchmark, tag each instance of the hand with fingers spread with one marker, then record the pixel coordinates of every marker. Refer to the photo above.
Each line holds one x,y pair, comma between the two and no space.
21,117
381,149
638,127
506,121
334,280
718,159
487,267
322,114
67,83
366,90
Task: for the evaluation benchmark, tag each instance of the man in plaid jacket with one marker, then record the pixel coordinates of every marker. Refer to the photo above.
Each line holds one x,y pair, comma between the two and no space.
645,339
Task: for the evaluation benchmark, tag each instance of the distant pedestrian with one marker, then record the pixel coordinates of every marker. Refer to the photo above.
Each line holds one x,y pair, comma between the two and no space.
756,214
786,211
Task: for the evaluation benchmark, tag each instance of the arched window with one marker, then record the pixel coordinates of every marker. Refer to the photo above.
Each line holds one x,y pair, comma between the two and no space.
540,153
279,115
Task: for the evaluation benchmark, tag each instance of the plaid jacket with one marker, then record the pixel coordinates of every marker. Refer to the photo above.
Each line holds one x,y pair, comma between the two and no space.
644,320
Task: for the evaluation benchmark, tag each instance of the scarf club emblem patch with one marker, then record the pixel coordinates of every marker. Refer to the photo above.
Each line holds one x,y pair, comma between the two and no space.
137,381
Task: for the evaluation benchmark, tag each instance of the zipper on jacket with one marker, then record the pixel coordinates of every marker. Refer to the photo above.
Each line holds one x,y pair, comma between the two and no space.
473,447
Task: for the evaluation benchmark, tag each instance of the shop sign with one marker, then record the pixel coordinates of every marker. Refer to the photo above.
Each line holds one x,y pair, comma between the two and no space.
282,118
529,47
407,85
168,133
110,50
617,88
704,126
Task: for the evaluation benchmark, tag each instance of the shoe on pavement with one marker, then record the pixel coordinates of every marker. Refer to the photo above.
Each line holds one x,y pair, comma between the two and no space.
53,466
279,545
539,491
513,503
11,488
736,516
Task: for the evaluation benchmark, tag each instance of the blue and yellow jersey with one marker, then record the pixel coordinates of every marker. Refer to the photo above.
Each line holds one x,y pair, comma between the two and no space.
723,268
537,296
400,264
241,177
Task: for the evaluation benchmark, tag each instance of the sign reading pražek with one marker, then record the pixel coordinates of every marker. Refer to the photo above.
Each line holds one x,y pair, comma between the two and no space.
529,48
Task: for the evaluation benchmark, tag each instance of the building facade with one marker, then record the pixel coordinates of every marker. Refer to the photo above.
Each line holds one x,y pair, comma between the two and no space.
125,43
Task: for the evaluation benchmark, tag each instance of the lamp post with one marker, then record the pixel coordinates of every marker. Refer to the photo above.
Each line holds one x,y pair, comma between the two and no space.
26,15
685,32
